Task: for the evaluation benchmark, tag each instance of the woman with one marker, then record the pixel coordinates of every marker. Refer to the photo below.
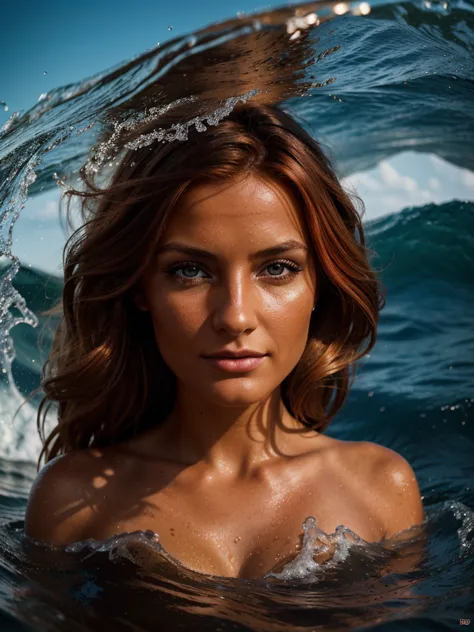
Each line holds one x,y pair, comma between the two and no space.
215,303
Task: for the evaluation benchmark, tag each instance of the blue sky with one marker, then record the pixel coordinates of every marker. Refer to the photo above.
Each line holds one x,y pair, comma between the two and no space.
72,41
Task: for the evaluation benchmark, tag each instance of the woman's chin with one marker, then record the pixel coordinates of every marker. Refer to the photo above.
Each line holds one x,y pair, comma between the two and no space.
236,392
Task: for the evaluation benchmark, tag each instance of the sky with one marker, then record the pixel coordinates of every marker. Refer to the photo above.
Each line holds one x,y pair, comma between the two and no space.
57,43
71,41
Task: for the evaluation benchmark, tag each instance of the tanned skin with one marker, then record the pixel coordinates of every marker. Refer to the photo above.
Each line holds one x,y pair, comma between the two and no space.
230,476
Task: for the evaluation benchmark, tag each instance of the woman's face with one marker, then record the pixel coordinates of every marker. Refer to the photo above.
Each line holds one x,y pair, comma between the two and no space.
228,296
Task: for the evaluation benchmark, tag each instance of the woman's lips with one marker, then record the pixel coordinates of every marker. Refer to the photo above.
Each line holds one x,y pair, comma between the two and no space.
236,365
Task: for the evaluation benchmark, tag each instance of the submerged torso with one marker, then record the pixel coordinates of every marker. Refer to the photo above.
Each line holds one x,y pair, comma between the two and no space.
234,529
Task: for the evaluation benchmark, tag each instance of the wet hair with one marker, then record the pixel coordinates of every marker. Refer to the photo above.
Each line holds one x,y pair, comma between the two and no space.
105,373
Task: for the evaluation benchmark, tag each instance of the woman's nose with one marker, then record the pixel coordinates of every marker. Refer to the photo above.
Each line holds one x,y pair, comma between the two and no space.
235,309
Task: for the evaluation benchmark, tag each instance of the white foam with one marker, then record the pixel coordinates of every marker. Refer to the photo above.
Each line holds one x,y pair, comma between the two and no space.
315,542
19,438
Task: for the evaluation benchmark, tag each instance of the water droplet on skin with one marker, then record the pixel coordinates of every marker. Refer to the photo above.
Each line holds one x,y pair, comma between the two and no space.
237,539
132,164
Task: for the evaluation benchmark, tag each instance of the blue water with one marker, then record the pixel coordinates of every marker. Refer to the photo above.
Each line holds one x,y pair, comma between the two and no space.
405,76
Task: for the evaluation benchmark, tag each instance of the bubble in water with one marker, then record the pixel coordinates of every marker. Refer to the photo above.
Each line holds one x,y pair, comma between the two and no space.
45,72
170,28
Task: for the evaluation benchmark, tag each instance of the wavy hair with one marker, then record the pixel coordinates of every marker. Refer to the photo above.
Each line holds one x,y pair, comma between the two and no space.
104,366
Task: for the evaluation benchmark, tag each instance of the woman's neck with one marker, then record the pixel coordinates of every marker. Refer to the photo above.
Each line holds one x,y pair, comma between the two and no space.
228,441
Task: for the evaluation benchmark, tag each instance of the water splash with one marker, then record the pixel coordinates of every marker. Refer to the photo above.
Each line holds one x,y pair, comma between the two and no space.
9,297
466,530
368,583
317,542
336,547
109,149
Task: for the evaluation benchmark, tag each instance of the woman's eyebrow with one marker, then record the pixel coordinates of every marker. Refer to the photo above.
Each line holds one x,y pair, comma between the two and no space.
175,246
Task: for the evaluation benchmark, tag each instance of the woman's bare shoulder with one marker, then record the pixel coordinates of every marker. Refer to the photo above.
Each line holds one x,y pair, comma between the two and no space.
389,480
59,505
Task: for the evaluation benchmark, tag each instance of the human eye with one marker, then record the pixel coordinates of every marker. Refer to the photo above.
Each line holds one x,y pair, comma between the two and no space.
293,268
190,266
173,270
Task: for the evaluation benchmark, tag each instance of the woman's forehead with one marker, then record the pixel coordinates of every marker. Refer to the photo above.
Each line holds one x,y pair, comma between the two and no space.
252,207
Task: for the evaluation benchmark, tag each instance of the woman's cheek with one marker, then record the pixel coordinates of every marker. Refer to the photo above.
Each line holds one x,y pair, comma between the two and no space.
174,321
290,330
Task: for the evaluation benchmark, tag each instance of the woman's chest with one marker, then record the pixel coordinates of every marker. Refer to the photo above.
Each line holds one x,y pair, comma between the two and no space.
238,531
